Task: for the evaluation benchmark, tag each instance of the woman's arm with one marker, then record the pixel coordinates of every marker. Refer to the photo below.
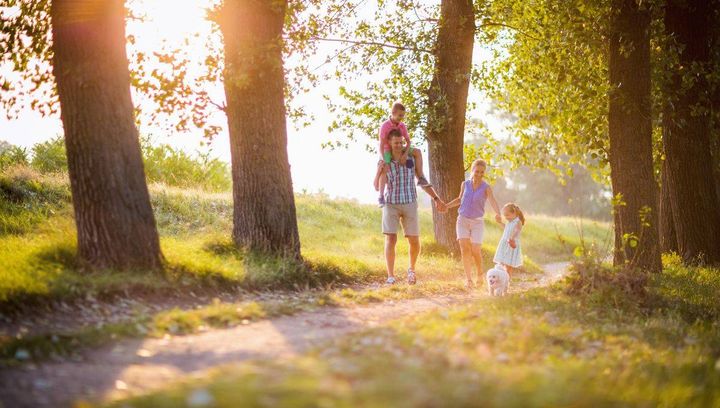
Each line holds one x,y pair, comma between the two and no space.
494,204
456,202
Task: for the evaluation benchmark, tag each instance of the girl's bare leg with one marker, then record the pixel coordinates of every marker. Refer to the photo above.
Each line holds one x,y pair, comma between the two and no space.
477,257
467,258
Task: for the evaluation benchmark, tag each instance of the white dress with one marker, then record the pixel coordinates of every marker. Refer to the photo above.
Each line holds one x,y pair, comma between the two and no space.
505,254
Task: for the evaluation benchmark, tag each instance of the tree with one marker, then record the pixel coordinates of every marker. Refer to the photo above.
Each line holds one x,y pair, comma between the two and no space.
447,105
630,132
115,222
263,203
686,133
668,237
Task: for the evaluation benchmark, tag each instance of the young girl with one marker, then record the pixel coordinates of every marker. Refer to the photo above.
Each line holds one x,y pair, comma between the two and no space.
508,251
470,226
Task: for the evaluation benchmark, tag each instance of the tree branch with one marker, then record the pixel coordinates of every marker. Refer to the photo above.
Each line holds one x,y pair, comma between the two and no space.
397,47
491,24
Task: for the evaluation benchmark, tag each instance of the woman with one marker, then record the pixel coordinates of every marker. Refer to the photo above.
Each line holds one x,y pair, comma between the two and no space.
470,226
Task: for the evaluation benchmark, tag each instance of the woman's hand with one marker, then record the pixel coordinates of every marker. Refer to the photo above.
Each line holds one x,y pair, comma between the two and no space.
498,219
512,243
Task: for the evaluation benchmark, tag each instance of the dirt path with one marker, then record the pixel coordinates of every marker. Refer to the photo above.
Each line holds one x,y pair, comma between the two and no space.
135,366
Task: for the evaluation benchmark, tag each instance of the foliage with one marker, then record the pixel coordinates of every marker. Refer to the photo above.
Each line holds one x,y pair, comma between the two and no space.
541,191
49,156
12,155
168,165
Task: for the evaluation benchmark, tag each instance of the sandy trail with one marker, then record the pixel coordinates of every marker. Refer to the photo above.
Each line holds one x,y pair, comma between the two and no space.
135,366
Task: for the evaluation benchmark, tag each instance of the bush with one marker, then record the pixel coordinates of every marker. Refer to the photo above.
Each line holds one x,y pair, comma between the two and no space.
50,157
165,164
12,155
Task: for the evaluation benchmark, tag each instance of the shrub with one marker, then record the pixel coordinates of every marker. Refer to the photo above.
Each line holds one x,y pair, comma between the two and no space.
12,155
165,164
50,157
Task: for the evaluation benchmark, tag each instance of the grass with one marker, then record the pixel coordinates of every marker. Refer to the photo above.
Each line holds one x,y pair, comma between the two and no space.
545,347
340,240
219,314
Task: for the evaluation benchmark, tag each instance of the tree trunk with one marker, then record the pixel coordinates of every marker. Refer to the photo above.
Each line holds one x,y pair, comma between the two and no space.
447,103
715,100
264,205
686,135
631,160
115,222
668,239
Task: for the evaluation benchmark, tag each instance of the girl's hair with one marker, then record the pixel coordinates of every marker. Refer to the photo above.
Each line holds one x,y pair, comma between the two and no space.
398,106
516,210
478,162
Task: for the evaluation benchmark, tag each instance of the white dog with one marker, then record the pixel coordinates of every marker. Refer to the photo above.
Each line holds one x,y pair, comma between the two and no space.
498,281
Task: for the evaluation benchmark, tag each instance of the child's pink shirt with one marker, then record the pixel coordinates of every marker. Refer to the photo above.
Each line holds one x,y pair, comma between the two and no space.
385,129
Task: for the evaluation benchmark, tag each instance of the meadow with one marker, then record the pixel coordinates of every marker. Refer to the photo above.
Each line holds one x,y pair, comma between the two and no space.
341,243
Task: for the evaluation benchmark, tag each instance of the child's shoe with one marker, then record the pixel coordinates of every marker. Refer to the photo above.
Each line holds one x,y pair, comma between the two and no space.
422,182
381,201
409,163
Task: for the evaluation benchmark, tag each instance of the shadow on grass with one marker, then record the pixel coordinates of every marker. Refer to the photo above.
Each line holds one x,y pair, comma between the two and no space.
268,272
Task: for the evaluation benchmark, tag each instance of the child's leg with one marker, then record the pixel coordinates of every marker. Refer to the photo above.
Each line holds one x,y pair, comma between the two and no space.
510,270
382,183
378,176
417,155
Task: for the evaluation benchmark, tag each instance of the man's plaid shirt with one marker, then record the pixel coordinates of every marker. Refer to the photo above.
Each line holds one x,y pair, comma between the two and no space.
401,184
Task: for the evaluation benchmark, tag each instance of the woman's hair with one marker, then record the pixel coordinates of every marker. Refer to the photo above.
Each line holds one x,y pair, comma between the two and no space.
516,210
478,162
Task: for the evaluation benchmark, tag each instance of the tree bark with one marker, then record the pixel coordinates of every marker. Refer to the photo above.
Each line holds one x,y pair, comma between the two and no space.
686,134
114,219
668,237
264,216
630,129
447,103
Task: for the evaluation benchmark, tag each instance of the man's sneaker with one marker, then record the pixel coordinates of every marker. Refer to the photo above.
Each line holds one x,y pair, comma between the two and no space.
390,281
381,201
422,182
411,277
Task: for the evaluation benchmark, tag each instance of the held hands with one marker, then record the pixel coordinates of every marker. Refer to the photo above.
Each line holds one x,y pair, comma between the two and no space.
498,218
441,206
512,243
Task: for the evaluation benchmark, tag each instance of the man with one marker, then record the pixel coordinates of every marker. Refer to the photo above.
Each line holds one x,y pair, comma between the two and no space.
401,208
411,156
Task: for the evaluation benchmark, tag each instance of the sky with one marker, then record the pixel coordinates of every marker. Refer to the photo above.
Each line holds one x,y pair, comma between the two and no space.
345,173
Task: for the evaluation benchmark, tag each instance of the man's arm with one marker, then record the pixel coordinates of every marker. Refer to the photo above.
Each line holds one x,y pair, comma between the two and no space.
442,207
494,204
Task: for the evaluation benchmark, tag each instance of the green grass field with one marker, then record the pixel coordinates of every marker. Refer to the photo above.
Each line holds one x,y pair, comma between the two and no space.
340,239
542,348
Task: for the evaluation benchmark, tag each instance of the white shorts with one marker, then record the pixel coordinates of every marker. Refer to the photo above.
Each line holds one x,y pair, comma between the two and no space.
469,228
